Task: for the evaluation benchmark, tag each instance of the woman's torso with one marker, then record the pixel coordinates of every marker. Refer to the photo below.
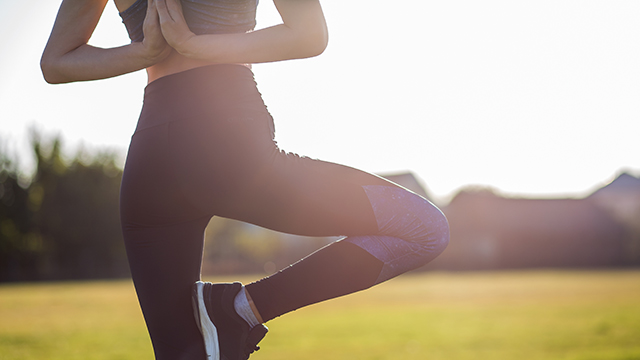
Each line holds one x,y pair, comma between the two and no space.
201,19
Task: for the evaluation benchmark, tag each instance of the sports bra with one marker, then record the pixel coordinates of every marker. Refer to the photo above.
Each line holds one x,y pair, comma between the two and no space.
202,16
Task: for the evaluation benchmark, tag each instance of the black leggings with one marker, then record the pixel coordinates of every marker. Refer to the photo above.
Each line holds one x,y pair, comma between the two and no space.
204,146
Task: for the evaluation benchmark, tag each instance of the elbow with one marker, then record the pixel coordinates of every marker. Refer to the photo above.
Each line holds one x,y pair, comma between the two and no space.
320,44
50,71
314,43
48,75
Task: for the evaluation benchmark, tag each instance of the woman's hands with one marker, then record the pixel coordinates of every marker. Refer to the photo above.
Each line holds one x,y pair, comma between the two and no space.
302,34
172,24
154,43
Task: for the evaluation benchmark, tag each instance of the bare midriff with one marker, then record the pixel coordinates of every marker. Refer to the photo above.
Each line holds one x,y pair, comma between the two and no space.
175,63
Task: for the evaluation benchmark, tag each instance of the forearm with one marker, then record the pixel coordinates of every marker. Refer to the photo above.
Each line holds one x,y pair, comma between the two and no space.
87,62
302,34
68,57
275,43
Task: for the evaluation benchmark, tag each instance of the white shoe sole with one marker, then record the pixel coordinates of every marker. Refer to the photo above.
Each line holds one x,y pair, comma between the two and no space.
207,328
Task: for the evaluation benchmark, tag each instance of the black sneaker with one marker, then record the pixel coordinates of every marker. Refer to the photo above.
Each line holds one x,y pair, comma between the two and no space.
226,335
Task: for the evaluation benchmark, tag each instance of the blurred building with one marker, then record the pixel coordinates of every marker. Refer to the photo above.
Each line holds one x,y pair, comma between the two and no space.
489,231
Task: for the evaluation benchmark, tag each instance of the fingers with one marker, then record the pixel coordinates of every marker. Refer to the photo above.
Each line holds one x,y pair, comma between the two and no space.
165,12
152,13
161,9
172,23
171,10
175,9
154,42
151,26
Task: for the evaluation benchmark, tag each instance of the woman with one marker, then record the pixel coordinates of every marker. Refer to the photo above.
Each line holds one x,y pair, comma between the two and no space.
204,146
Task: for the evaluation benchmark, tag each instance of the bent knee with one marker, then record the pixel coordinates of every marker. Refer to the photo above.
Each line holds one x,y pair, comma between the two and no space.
441,234
412,231
406,215
433,238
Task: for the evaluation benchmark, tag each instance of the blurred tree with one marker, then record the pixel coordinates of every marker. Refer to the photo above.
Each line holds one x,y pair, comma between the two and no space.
75,210
233,247
20,246
237,247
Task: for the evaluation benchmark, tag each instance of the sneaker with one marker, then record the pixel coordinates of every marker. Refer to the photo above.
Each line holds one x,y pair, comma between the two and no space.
226,335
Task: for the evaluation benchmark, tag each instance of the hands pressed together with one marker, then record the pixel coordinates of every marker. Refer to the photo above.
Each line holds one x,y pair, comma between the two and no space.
302,34
165,28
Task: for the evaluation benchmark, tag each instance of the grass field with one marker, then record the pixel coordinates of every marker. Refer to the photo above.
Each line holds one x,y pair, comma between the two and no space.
504,315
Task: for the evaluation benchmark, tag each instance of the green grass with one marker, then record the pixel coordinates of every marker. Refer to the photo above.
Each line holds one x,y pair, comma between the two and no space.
503,315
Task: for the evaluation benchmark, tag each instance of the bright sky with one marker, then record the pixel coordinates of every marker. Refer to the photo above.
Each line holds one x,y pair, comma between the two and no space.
532,97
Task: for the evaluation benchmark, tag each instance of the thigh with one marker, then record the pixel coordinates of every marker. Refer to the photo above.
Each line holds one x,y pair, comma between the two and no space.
309,197
149,192
230,166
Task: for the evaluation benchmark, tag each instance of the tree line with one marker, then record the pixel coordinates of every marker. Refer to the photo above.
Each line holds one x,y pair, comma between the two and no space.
61,223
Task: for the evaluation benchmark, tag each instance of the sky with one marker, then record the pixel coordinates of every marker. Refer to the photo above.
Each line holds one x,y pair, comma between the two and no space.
532,98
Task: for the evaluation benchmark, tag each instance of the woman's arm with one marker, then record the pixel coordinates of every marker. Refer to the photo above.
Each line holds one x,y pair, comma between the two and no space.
67,56
302,34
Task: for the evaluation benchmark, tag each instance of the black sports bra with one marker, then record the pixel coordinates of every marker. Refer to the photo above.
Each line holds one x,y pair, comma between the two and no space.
202,16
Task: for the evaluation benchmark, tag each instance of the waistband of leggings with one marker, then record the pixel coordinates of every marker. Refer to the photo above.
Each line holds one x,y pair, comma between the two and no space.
206,78
212,89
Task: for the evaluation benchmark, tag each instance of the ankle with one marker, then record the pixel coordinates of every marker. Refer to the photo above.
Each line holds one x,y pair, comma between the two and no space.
242,306
256,313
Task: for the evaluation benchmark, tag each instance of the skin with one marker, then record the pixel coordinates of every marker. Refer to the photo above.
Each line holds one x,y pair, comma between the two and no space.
253,306
169,46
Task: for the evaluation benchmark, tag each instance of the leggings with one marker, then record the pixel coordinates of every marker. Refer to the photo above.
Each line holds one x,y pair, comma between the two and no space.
204,146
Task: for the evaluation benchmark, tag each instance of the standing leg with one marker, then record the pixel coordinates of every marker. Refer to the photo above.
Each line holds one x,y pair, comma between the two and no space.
165,263
164,238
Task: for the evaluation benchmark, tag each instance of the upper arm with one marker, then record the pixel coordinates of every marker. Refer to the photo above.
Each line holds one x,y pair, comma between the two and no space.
74,25
306,18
